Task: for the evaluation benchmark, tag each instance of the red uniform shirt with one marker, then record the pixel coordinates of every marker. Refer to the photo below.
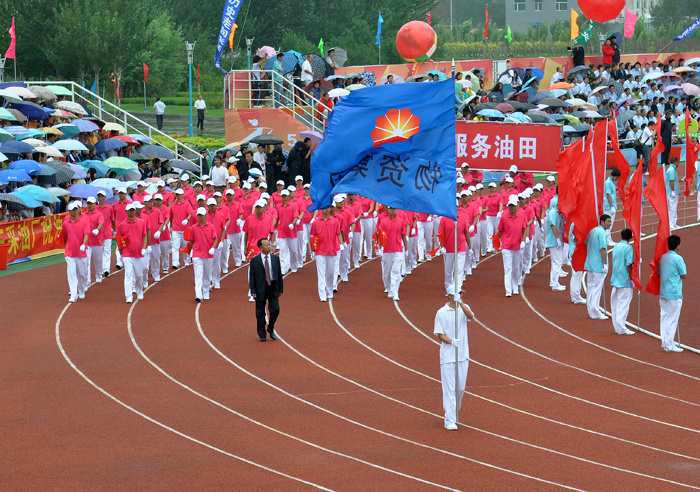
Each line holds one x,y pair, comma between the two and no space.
395,229
74,235
234,213
493,202
286,215
133,232
120,211
179,212
511,229
202,238
165,212
154,219
447,227
108,215
218,220
257,229
247,204
328,231
94,219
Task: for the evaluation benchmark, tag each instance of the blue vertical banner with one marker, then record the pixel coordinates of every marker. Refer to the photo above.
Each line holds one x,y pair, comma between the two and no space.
394,144
688,30
227,20
380,21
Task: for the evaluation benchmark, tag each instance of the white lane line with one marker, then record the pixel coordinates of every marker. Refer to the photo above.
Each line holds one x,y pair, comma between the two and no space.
160,424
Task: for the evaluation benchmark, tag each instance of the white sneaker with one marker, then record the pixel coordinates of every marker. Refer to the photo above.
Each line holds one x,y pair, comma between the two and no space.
139,297
81,296
72,299
603,316
396,298
508,294
451,427
563,274
558,288
251,299
217,287
627,332
579,302
673,349
129,300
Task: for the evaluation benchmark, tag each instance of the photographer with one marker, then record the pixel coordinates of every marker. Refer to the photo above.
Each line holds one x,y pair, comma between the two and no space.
578,53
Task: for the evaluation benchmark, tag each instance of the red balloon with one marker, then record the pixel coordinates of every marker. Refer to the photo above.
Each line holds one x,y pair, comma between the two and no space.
601,10
416,41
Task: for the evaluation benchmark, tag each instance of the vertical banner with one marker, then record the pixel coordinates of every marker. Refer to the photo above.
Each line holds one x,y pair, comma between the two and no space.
227,20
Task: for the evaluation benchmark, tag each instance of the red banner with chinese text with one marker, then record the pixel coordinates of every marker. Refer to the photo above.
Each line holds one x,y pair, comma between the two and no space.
32,236
496,146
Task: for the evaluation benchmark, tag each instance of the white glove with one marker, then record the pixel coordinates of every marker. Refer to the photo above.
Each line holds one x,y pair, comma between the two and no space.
350,235
365,214
221,245
413,231
143,252
522,245
560,242
527,240
149,249
240,222
471,229
673,193
614,208
456,343
605,268
342,247
95,232
443,251
157,235
82,248
374,214
212,251
498,215
430,218
312,220
184,222
291,226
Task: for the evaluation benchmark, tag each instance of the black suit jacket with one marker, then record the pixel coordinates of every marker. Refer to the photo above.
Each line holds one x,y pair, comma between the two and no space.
258,281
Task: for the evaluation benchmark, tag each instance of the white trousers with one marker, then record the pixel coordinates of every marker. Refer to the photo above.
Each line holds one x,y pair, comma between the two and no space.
133,277
527,257
556,254
344,262
449,261
95,253
391,272
120,259
476,246
154,261
215,268
512,262
542,244
672,210
356,243
412,253
305,244
575,286
76,269
325,266
106,255
286,245
620,299
235,241
301,250
164,247
670,312
447,376
608,232
491,230
595,284
367,233
202,274
484,236
179,242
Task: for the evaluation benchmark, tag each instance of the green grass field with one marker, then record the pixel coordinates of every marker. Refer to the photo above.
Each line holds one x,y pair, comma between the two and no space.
172,109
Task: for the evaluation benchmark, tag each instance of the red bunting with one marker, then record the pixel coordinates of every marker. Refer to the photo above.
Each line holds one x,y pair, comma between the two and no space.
656,193
198,74
145,73
658,148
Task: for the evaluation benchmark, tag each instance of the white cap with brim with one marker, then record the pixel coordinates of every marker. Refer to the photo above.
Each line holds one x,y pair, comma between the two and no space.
513,168
453,291
102,192
201,211
161,183
121,190
479,186
91,199
263,185
246,186
232,159
461,181
265,196
493,185
138,205
201,197
131,206
513,200
292,188
217,193
280,182
284,193
299,177
179,191
509,180
147,198
198,183
230,192
210,183
141,183
255,172
261,203
171,180
157,196
211,201
472,189
184,177
551,179
233,179
307,185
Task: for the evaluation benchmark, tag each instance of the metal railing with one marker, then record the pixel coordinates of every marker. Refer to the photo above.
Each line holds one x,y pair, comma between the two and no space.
105,110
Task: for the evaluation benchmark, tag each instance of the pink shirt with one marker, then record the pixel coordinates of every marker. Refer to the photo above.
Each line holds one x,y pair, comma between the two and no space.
276,199
134,232
257,229
447,228
395,229
410,216
168,197
217,220
328,231
108,215
286,215
511,229
247,204
357,212
234,213
74,234
492,202
165,212
529,215
120,211
138,197
94,219
308,215
179,212
154,220
202,239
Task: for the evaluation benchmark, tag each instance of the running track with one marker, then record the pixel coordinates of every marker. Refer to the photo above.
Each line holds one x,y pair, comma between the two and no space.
168,394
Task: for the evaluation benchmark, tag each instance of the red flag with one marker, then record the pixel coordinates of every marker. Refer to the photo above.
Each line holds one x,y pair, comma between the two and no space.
250,252
122,242
486,24
632,213
620,160
145,72
691,156
315,242
10,53
658,148
585,213
568,193
600,156
428,18
198,68
656,193
496,239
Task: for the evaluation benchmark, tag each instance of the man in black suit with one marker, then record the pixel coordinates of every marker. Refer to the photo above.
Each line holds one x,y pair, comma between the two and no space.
666,132
266,286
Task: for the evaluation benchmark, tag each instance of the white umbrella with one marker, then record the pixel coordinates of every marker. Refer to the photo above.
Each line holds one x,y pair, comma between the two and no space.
338,92
59,191
35,142
592,114
575,101
69,145
10,96
50,151
355,87
114,127
598,89
23,92
74,108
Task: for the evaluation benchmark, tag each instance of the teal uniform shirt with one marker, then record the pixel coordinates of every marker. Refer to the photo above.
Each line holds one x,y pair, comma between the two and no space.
597,239
622,257
671,267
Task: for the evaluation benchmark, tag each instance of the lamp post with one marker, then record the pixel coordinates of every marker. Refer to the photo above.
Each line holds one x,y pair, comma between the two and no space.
190,58
249,47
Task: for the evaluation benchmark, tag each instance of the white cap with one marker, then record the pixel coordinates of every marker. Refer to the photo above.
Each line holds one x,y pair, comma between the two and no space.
472,189
464,193
217,193
201,197
538,186
197,183
139,205
265,196
179,191
292,188
513,168
92,199
479,186
184,177
201,211
230,192
280,182
160,183
121,190
452,290
551,178
157,196
147,198
493,185
141,183
307,185
246,186
299,177
205,177
284,193
130,206
461,180
255,172
233,179
522,196
509,180
210,183
211,201
263,185
466,164
251,179
170,180
232,159
338,203
261,203
339,198
513,200
528,190
102,192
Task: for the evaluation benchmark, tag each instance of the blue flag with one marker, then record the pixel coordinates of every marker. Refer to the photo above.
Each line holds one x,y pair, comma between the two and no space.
227,20
394,144
688,30
379,29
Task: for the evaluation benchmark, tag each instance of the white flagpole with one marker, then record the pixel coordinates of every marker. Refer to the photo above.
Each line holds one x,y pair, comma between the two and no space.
455,277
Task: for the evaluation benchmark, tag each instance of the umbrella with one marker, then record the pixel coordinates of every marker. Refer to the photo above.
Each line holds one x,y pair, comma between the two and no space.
56,191
49,130
340,57
6,115
488,105
16,130
185,166
156,151
508,119
572,120
42,93
59,90
45,171
114,127
553,102
334,77
31,110
529,81
109,144
83,191
569,129
561,85
19,116
85,126
520,117
266,52
415,78
536,72
138,157
578,69
63,171
517,70
62,113
78,172
318,66
140,138
29,166
3,157
354,87
683,70
537,112
16,175
618,87
10,96
622,118
579,114
694,81
266,140
34,142
672,88
5,136
338,92
536,118
491,113
39,193
68,130
13,199
100,167
592,114
23,92
558,117
129,140
652,76
691,89
29,201
120,165
557,93
368,78
107,183
291,58
441,75
540,95
50,151
583,127
21,147
69,145
598,89
575,101
71,106
505,108
315,137
325,85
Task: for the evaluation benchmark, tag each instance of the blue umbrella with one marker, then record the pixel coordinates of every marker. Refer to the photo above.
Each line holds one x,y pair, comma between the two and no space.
86,126
39,193
108,144
579,68
17,130
540,95
45,171
491,113
520,117
29,166
98,166
33,133
107,183
291,58
68,130
69,145
559,117
156,151
83,191
16,175
441,76
29,201
31,110
536,72
140,138
21,147
569,129
78,172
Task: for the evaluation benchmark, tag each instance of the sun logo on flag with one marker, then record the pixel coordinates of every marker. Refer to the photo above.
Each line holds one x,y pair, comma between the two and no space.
394,126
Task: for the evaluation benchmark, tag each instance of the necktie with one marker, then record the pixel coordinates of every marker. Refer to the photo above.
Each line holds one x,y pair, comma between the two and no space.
267,271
